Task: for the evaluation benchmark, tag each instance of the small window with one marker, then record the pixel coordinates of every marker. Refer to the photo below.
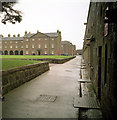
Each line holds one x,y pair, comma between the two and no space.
52,52
52,38
39,46
21,46
5,42
10,41
5,46
45,38
26,52
16,47
21,41
45,45
33,46
11,46
52,45
26,39
16,42
45,52
32,39
39,39
26,46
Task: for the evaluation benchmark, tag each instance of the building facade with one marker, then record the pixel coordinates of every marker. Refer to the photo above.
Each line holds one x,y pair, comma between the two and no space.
100,54
32,44
67,48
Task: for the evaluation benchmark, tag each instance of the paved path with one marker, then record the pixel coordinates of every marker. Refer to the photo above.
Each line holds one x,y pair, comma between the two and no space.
60,81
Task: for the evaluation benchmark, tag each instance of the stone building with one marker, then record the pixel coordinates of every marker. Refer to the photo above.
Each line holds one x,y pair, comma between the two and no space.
32,44
67,48
100,54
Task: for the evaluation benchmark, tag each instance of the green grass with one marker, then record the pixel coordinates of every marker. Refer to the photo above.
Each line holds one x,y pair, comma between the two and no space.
10,63
34,57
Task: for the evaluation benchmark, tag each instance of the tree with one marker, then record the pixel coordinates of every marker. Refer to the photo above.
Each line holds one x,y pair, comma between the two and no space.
8,14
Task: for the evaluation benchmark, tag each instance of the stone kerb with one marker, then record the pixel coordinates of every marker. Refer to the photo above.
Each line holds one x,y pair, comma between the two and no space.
56,61
15,77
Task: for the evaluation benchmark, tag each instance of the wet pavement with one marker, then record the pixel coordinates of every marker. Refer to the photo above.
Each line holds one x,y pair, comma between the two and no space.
49,95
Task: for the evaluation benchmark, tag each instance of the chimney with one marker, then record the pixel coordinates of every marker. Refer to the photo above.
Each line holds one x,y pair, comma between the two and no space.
18,35
25,32
29,32
14,35
9,35
1,35
37,31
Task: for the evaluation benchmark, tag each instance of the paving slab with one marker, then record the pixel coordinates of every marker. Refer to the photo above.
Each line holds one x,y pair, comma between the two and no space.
48,96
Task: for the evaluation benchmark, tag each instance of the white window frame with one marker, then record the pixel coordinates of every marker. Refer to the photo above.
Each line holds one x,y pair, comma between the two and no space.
11,46
26,46
46,39
26,52
16,46
5,46
52,52
26,39
10,41
45,52
52,38
45,45
33,39
33,46
39,38
21,46
39,46
16,42
5,42
52,45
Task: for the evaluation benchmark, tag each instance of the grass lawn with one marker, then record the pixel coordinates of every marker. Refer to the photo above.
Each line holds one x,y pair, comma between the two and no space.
34,56
10,63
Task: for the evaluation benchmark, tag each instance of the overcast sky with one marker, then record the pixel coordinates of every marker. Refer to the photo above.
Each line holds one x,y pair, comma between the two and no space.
49,15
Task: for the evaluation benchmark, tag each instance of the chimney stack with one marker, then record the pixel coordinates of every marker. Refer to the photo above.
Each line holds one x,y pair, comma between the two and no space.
29,32
9,35
14,35
18,35
37,31
25,32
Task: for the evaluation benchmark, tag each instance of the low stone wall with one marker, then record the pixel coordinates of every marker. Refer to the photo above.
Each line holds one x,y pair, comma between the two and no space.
13,78
56,61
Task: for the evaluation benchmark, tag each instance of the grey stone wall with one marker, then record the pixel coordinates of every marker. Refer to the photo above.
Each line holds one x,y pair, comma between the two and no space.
15,77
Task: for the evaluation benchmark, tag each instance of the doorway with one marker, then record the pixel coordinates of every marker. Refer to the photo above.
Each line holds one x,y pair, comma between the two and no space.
99,72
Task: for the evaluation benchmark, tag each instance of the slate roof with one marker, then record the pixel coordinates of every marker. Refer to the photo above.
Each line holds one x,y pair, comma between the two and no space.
51,34
12,38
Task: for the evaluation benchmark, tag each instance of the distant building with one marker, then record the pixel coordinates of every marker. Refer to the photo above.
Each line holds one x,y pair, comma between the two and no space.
32,44
67,48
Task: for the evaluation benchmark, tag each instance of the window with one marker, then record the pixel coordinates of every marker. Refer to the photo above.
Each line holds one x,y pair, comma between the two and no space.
45,52
0,46
52,38
16,47
39,46
26,52
5,42
33,52
21,46
61,45
52,45
52,52
5,46
45,38
21,41
26,46
33,46
16,42
10,41
32,39
11,46
26,39
39,39
45,45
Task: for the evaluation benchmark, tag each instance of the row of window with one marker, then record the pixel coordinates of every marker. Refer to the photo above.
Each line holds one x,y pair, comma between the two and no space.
39,39
45,52
27,46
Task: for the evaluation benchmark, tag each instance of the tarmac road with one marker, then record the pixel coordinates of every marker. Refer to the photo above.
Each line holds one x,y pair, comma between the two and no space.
49,95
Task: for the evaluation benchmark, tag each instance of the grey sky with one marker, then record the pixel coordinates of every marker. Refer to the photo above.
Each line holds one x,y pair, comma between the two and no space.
49,15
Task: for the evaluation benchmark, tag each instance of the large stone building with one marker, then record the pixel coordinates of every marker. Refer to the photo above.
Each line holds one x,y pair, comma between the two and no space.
32,44
100,54
67,48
